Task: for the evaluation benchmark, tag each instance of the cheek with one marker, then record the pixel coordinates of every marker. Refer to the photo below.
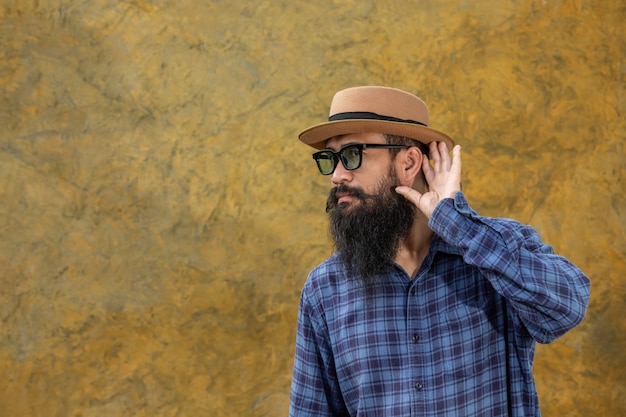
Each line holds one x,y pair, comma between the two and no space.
384,186
374,178
374,187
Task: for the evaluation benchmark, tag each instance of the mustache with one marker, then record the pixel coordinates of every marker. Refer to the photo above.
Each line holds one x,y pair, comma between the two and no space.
355,192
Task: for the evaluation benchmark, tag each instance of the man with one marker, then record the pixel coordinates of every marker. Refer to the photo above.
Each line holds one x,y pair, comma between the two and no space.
426,308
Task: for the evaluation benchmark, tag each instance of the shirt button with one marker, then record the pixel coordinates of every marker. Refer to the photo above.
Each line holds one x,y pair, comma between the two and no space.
418,386
415,338
412,291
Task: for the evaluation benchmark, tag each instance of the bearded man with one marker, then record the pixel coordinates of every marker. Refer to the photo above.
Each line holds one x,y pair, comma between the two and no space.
426,308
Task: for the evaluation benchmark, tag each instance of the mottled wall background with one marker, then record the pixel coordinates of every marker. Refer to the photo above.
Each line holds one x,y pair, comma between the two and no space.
158,216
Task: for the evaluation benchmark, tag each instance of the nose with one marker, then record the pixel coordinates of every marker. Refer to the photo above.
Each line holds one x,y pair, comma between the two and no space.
341,175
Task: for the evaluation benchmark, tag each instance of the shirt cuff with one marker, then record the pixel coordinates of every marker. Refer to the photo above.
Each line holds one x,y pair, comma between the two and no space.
452,219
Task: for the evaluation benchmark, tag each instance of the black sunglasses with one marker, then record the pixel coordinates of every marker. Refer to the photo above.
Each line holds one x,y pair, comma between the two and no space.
351,156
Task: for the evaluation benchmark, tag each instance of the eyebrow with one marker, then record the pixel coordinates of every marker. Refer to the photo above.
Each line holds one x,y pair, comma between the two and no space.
347,144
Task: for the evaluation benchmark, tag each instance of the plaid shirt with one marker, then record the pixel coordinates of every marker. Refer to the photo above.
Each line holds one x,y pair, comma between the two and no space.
458,340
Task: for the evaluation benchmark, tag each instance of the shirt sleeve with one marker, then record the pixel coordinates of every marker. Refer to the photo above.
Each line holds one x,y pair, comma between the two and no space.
314,387
548,293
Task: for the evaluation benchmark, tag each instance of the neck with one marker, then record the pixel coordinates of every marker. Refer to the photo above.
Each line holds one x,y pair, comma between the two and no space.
414,248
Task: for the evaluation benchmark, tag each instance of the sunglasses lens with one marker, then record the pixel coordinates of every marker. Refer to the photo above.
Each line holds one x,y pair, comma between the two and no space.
351,157
325,162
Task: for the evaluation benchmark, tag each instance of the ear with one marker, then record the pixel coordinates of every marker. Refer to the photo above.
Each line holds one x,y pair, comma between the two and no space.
409,165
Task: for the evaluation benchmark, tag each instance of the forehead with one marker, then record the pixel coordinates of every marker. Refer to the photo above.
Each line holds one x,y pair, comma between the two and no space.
338,142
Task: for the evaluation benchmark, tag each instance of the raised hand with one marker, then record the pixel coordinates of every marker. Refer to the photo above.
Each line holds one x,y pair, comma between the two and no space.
443,177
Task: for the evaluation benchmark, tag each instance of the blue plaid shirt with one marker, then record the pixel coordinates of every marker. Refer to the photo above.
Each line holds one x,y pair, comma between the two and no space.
457,340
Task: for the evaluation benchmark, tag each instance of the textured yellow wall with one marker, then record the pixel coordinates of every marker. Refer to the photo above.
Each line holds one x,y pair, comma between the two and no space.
158,216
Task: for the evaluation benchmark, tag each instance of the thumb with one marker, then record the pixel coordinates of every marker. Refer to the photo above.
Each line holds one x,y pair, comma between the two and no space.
410,194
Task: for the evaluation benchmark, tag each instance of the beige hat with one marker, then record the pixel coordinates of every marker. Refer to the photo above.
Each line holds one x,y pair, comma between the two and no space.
372,109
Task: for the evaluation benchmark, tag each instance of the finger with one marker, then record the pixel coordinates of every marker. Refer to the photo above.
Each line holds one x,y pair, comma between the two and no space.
426,166
456,157
445,155
428,169
455,169
434,155
456,160
410,194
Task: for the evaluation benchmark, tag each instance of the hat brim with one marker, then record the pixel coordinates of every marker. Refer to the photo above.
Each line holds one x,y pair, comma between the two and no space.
317,136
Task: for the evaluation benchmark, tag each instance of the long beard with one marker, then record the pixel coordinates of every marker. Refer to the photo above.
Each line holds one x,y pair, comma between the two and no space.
368,233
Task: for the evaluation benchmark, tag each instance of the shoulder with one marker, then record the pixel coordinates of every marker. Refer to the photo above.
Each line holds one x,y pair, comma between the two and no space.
329,286
326,275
